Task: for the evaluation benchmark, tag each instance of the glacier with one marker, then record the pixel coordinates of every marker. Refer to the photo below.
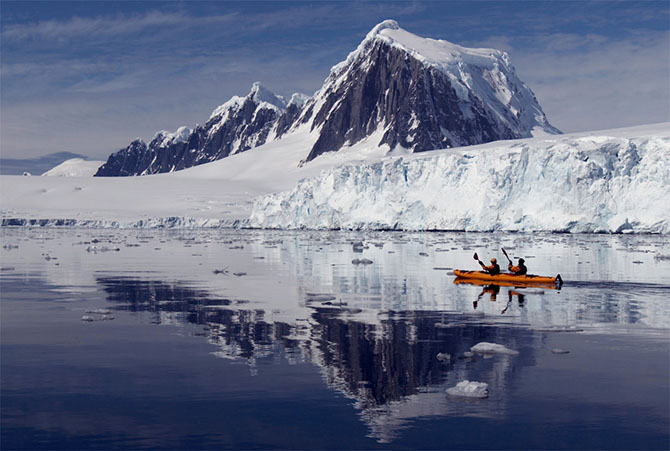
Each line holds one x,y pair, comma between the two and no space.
581,183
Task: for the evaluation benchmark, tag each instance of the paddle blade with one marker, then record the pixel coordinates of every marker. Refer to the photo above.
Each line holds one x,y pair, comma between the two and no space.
476,257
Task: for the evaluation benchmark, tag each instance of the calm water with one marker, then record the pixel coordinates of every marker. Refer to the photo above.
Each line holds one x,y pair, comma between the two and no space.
226,339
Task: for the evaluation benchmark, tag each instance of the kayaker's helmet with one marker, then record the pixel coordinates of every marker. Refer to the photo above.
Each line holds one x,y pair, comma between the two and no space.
522,261
493,260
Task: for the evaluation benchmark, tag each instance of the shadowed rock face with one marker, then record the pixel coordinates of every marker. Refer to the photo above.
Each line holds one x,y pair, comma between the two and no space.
415,104
247,125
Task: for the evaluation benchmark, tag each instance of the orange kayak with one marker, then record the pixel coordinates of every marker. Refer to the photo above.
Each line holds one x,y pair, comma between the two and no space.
528,279
501,283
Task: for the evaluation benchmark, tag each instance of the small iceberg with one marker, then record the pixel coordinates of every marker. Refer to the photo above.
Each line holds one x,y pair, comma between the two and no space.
469,389
443,357
492,348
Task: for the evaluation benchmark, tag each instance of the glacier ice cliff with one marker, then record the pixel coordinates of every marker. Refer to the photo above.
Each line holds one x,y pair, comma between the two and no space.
592,184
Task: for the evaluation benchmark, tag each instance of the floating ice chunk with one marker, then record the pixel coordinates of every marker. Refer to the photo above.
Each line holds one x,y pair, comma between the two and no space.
99,311
557,329
469,389
560,351
443,357
315,297
449,325
492,348
87,318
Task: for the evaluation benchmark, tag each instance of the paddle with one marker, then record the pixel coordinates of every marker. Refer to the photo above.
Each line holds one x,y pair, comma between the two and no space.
476,257
505,252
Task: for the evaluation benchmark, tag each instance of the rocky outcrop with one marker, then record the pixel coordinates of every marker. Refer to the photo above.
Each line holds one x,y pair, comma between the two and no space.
238,125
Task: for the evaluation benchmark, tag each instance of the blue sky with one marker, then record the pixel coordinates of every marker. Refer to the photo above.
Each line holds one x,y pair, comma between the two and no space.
88,77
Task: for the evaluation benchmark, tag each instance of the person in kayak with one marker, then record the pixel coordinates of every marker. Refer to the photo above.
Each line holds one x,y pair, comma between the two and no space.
520,269
493,291
493,268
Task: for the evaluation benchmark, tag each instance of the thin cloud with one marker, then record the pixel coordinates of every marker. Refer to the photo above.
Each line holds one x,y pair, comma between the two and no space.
104,26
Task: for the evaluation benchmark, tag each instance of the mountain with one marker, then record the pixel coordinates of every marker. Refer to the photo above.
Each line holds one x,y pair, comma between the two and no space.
399,90
17,166
238,125
74,167
421,94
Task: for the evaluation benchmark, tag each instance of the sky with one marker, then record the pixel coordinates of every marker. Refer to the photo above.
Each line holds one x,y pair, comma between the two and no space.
89,77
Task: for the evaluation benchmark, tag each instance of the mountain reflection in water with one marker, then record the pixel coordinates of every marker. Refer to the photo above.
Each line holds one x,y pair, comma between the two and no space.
390,368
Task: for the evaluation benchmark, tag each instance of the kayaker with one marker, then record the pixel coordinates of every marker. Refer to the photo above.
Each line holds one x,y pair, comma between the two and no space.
493,268
493,291
520,269
521,298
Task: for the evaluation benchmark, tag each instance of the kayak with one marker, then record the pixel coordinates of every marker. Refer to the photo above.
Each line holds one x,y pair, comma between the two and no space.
504,283
509,278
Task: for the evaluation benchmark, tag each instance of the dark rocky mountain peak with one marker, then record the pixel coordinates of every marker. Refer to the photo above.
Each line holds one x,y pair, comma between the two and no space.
236,126
421,94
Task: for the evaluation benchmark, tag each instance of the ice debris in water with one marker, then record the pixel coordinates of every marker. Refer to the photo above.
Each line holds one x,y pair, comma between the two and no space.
560,351
317,297
443,357
557,329
469,389
99,311
492,348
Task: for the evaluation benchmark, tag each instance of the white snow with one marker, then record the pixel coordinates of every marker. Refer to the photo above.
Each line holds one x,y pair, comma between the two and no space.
181,135
262,96
75,167
298,99
469,389
604,181
492,348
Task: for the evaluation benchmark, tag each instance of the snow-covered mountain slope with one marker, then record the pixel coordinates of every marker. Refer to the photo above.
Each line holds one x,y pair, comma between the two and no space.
217,194
605,182
75,167
238,125
421,94
408,92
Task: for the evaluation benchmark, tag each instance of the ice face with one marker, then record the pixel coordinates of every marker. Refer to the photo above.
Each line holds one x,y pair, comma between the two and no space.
586,183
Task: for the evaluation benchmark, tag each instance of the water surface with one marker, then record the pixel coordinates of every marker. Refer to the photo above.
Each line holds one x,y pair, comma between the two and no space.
256,339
